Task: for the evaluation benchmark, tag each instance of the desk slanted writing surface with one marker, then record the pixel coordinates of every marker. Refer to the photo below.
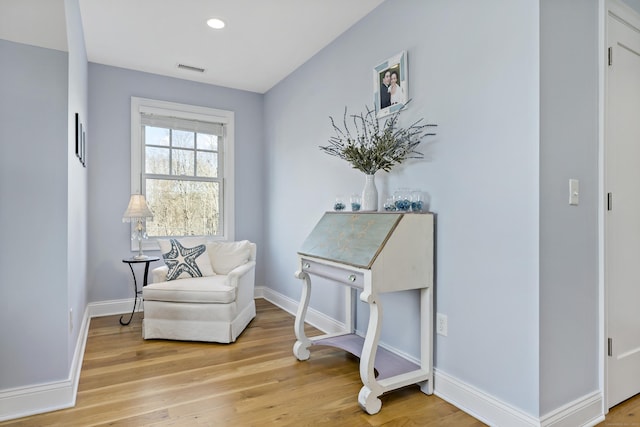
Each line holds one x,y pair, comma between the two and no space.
373,253
353,239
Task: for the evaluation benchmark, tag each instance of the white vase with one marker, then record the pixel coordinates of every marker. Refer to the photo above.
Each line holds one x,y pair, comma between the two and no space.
370,194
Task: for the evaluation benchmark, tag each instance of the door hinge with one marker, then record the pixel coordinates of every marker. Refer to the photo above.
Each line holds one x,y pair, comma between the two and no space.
610,56
609,201
609,347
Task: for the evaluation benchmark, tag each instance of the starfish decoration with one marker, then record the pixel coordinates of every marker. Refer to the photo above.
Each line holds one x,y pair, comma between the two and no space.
182,260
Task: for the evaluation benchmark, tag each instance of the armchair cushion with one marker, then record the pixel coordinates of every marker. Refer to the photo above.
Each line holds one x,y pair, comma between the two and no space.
216,290
186,257
225,256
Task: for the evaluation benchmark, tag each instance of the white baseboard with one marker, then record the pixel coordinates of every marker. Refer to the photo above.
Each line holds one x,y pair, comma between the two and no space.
585,411
479,404
37,399
258,292
315,318
109,308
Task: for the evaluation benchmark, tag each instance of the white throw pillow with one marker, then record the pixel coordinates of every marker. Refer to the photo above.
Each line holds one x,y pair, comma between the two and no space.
225,256
186,257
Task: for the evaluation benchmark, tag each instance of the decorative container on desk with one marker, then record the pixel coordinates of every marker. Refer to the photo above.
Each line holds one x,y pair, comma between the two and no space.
372,253
401,199
418,201
356,202
370,194
390,205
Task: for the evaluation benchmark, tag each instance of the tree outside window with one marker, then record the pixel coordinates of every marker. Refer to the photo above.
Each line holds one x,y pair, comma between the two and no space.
181,182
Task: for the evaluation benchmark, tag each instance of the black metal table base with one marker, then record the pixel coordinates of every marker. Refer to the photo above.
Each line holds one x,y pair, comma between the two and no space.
136,292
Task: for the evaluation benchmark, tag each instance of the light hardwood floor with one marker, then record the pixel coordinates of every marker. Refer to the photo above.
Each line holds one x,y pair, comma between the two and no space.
127,381
626,414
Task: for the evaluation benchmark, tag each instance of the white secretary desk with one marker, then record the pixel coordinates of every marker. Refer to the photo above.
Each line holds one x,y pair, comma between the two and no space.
372,253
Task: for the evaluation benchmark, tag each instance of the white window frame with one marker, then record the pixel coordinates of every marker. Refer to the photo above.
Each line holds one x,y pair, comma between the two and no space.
188,112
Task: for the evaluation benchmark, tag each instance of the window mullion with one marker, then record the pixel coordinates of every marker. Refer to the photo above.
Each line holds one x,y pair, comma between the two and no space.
170,151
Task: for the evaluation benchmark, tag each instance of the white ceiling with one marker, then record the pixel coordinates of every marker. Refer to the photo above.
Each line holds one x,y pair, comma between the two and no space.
34,22
263,42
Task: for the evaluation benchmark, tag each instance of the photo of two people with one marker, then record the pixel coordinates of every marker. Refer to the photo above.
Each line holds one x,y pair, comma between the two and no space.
391,91
390,83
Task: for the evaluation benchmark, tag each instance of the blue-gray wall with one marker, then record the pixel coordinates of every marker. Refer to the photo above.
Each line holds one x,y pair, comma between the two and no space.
109,139
473,70
33,215
569,293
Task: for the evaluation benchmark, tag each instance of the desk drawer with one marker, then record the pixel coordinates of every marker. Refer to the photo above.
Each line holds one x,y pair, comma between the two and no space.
343,275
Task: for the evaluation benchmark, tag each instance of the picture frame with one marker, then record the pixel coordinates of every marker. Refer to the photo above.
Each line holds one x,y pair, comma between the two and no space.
384,74
78,135
83,158
81,153
81,149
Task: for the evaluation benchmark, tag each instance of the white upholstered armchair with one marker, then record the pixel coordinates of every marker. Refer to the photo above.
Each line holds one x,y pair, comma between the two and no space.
216,307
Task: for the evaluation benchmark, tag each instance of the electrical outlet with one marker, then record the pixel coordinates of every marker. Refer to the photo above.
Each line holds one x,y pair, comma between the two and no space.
441,324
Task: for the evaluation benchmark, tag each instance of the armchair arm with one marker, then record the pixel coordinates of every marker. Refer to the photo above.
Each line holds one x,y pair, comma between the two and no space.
159,274
243,279
236,274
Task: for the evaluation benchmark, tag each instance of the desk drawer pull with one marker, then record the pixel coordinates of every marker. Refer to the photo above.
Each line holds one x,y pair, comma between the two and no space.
306,265
351,278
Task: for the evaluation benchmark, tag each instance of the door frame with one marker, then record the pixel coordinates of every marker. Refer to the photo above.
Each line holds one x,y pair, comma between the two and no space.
625,12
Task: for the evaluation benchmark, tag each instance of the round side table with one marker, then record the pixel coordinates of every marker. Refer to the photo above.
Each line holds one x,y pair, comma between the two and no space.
136,292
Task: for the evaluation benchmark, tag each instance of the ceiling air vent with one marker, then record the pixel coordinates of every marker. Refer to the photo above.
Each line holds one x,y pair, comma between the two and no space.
191,68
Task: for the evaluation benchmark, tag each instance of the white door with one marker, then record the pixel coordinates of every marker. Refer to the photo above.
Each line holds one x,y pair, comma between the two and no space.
622,219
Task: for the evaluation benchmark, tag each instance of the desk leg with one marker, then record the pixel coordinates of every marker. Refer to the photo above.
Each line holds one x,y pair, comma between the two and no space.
135,296
301,347
368,396
426,338
349,310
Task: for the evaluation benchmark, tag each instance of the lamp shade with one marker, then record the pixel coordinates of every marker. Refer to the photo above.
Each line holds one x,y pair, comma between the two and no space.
137,208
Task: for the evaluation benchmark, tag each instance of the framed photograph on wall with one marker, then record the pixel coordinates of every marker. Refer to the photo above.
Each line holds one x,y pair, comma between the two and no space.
78,133
391,85
81,149
83,159
81,142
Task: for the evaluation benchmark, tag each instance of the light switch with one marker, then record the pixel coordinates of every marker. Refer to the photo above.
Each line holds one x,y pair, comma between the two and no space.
574,192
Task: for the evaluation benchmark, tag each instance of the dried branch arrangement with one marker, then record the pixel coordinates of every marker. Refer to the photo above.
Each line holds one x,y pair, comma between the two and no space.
369,148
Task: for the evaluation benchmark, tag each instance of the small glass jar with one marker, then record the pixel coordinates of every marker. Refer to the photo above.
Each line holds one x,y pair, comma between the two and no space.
339,204
356,202
389,205
417,200
401,199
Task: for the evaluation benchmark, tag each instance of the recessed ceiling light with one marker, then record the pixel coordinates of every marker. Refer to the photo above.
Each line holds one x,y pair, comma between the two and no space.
216,23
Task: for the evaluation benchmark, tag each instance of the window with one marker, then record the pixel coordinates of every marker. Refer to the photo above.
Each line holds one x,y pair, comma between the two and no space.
182,161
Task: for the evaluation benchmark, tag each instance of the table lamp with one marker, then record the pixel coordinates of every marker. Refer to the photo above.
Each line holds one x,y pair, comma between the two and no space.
138,211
